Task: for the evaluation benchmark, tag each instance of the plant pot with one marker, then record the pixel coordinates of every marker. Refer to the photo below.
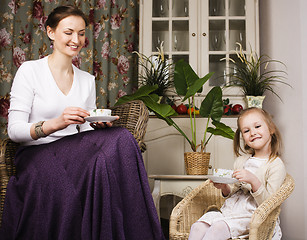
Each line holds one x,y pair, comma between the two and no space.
196,163
254,101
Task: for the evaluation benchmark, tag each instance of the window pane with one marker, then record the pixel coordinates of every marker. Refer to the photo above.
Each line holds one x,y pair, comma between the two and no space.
237,7
237,34
160,8
217,7
159,34
219,68
180,8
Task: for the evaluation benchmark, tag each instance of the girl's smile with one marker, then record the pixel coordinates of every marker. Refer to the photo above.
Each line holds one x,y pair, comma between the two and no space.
255,139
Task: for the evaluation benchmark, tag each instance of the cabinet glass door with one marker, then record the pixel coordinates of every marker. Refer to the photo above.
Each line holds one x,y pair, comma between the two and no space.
227,28
170,24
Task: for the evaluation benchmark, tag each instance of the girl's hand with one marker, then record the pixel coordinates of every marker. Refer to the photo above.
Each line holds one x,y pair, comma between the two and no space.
244,175
220,185
224,187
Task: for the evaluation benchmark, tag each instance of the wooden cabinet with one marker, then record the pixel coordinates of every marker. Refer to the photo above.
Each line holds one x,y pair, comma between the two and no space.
202,32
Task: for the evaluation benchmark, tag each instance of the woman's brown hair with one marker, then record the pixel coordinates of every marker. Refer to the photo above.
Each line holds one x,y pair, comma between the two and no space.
62,12
276,143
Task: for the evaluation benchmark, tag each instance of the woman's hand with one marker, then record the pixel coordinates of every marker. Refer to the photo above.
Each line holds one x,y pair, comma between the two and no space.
97,125
71,115
244,175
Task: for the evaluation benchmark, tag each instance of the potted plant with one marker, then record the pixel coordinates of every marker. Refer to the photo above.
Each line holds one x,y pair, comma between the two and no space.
187,84
156,70
252,75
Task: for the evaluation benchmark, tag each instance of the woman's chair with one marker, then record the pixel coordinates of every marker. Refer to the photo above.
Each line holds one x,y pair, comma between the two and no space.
206,197
133,116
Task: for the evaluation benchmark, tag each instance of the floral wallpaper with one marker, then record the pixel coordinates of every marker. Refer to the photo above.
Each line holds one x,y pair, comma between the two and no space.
111,37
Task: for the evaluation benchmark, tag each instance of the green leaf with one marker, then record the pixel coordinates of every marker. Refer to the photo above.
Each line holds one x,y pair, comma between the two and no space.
212,105
184,77
161,110
142,91
197,85
222,130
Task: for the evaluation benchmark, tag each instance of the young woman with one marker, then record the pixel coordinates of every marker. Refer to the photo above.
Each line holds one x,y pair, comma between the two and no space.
70,185
260,173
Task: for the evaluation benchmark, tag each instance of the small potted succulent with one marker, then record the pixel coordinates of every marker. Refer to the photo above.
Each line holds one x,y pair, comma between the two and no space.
252,74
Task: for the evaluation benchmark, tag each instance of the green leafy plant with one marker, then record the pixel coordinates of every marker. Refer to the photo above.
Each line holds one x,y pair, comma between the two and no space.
156,70
252,75
187,84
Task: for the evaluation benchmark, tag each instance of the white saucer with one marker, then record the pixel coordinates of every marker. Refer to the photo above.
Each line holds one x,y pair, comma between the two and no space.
100,118
226,180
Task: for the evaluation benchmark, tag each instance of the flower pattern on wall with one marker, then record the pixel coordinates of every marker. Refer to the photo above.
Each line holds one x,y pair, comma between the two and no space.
111,37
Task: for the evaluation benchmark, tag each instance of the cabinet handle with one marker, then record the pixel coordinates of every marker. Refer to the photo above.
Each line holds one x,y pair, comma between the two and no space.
193,34
204,34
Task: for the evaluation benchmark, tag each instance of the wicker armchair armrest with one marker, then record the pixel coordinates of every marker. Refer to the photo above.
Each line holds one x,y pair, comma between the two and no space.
4,179
192,207
7,168
264,218
133,116
8,151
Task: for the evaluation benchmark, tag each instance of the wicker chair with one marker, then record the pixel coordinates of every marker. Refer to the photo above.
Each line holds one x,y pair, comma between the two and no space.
206,196
133,116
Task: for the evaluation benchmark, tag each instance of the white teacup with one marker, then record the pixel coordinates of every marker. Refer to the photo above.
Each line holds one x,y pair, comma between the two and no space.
220,172
100,112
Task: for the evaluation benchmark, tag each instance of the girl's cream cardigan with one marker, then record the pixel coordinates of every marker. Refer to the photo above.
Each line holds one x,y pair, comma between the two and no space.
271,174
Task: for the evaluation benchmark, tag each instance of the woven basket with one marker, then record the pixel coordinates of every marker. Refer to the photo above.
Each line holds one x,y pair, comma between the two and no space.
196,163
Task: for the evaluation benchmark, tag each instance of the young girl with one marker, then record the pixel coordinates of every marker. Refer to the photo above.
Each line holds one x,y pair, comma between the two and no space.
260,173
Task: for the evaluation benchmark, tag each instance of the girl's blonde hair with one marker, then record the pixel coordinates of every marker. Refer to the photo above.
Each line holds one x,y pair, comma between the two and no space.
276,143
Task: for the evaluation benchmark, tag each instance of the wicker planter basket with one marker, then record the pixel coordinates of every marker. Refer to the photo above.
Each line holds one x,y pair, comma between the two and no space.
196,163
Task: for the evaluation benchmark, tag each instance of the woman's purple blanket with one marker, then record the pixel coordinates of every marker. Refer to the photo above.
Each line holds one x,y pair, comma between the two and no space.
92,185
